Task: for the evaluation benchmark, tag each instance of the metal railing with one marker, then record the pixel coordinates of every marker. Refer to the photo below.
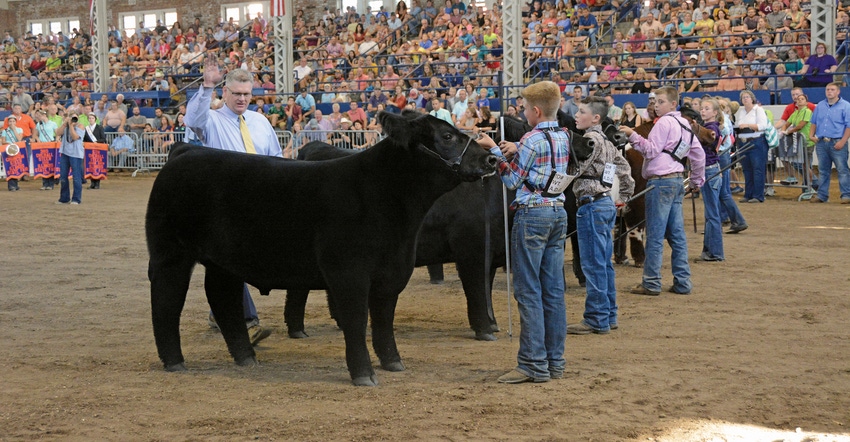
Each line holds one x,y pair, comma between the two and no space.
346,139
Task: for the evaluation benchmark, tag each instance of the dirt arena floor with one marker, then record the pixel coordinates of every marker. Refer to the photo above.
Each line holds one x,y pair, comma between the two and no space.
762,343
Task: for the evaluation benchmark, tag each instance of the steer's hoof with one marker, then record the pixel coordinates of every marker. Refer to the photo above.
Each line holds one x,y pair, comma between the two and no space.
393,366
298,334
483,336
176,367
365,381
248,362
437,281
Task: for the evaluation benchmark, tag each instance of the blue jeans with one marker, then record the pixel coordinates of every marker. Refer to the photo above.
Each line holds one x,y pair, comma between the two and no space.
754,163
728,207
537,247
590,34
248,307
712,241
75,164
827,157
594,222
664,220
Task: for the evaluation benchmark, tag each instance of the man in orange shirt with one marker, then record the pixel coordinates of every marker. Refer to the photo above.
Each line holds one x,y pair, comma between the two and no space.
134,51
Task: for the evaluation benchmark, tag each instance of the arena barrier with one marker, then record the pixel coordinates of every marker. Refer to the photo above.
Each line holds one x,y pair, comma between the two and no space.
794,168
150,150
153,149
122,159
788,166
346,139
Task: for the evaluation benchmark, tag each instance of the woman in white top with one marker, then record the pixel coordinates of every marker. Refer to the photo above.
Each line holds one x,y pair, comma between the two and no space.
750,123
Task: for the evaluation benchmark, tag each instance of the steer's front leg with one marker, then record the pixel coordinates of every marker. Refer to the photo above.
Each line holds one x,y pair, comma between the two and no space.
382,309
350,293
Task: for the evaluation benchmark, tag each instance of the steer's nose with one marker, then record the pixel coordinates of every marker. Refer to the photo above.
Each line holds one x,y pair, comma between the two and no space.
492,161
620,138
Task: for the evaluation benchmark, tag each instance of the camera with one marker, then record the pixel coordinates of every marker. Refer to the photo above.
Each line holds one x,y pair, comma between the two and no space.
74,119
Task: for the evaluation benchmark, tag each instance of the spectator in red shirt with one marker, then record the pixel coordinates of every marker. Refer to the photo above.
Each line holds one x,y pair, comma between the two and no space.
786,113
37,64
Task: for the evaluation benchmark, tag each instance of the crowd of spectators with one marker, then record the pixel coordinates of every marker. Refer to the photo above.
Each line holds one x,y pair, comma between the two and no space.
446,51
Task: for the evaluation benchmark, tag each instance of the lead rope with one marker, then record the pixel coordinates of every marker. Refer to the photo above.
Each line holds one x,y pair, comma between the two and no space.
507,240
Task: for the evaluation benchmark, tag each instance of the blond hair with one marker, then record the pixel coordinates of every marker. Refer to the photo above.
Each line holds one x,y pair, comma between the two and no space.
717,109
546,96
670,92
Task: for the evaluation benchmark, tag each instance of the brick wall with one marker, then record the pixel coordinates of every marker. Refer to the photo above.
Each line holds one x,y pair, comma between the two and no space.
15,18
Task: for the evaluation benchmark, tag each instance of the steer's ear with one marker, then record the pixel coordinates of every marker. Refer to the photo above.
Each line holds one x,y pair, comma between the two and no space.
402,129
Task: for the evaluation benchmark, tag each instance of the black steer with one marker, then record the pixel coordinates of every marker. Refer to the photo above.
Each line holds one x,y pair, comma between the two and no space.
347,226
452,231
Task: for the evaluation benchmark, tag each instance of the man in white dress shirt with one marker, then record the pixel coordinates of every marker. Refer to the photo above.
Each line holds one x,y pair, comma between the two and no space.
221,129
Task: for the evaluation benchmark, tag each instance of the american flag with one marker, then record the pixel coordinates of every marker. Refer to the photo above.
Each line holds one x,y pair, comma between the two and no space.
277,8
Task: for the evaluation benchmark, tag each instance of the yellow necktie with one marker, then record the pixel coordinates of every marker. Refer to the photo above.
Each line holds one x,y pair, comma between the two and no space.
246,137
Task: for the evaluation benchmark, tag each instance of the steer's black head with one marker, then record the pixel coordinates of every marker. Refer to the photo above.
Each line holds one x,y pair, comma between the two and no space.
440,142
614,135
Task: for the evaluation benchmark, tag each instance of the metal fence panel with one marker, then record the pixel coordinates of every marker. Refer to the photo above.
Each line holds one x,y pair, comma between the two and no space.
346,139
123,159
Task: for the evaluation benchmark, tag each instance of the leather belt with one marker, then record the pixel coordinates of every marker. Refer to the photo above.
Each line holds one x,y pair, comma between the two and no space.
590,199
669,175
827,139
535,205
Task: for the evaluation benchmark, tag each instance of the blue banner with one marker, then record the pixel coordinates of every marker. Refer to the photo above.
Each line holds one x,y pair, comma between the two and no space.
16,165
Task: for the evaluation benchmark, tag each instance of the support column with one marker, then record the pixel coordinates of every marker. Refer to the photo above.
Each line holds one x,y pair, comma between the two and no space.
99,48
512,40
823,24
283,64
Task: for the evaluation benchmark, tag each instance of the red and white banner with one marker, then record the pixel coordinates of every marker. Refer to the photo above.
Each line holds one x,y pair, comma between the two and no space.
278,8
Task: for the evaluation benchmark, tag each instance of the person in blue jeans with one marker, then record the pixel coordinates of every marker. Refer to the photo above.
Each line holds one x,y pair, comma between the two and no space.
669,142
728,207
537,236
586,24
830,131
751,122
595,217
71,153
712,241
